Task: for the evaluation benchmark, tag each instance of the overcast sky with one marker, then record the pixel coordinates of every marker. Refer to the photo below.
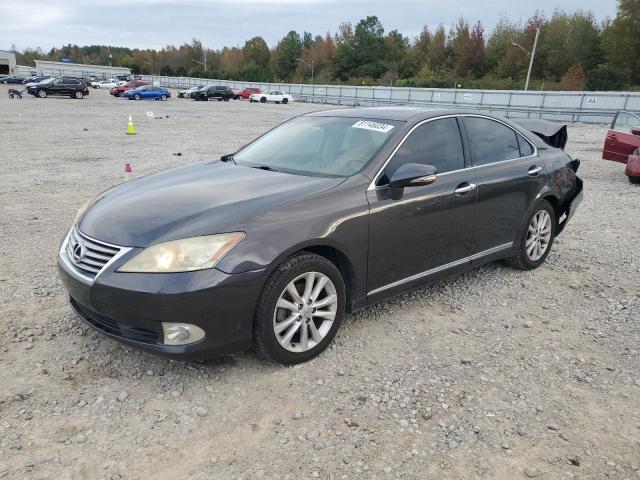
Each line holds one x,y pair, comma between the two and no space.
156,23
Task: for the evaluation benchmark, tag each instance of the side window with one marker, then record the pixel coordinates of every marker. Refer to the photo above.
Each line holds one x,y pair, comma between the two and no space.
436,143
490,141
525,147
624,122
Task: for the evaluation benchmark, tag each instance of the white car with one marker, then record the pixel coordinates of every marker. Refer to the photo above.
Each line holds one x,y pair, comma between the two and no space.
42,82
275,96
104,84
187,93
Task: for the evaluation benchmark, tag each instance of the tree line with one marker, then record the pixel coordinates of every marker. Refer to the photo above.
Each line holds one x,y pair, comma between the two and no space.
574,52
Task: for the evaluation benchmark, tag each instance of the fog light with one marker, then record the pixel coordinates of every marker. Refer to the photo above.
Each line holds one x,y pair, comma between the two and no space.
181,333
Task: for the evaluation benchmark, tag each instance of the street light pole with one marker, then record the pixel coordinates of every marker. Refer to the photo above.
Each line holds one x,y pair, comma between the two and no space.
531,54
307,63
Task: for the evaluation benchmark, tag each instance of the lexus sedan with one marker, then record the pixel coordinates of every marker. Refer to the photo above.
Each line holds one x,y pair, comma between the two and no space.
331,211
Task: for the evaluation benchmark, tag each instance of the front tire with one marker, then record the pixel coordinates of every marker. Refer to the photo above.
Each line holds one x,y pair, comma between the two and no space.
300,310
634,180
42,93
136,97
163,98
285,101
263,100
535,241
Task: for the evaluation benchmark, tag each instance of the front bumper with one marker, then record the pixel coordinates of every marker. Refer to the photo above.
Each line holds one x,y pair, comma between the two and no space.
130,307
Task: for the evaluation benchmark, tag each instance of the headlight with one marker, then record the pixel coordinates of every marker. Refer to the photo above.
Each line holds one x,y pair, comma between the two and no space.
184,255
80,211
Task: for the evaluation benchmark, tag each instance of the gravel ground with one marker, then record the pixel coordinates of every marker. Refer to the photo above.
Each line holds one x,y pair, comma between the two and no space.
496,374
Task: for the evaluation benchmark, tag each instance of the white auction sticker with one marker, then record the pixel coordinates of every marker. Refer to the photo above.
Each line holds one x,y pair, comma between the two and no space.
375,126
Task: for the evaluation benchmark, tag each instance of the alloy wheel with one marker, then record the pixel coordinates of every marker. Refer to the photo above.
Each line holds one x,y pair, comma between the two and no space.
305,312
538,235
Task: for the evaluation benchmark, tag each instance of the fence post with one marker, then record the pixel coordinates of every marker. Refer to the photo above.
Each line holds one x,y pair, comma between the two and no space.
509,103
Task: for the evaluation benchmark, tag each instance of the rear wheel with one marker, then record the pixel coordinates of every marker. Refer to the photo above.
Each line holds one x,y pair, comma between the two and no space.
285,100
163,97
634,179
78,95
263,100
535,241
300,309
42,93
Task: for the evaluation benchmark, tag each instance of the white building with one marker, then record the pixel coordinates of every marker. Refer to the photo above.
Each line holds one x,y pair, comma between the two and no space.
7,62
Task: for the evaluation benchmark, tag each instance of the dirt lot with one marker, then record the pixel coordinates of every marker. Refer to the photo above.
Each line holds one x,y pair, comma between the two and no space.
494,374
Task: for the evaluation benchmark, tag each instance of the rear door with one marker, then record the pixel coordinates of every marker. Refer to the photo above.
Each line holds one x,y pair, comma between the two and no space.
620,142
509,174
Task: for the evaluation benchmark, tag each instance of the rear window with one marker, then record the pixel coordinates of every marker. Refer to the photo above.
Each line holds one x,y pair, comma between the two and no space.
491,141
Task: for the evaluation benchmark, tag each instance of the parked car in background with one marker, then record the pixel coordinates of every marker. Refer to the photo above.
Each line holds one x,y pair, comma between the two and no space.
247,92
213,92
327,213
42,80
622,143
147,92
187,92
120,89
276,96
63,86
104,84
34,79
12,79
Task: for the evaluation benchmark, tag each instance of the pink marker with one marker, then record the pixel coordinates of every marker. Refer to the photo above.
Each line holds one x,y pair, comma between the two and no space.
128,172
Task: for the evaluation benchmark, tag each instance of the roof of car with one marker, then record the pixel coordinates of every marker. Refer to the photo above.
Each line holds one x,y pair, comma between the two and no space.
402,113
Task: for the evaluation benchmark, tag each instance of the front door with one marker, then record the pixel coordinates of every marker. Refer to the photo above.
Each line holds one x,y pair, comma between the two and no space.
420,230
620,142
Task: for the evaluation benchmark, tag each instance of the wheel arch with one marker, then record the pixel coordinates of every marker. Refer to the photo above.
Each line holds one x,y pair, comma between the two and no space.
335,255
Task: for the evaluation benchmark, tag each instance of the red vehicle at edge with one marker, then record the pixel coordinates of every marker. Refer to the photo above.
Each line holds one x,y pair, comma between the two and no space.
119,90
247,92
622,143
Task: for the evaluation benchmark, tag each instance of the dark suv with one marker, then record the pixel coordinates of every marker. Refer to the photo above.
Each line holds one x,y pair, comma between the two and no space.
218,92
65,86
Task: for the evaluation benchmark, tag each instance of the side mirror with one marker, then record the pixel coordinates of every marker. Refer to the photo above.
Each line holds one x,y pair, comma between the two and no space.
413,175
635,131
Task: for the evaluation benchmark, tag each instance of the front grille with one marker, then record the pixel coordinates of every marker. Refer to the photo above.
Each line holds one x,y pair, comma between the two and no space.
112,327
88,256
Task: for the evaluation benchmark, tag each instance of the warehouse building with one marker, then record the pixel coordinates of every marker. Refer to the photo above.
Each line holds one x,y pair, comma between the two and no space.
7,62
59,69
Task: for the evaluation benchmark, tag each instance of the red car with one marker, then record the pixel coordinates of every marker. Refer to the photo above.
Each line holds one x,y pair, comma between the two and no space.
246,93
622,143
119,90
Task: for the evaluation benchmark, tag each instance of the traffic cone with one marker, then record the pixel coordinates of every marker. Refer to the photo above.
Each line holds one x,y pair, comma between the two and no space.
131,130
128,171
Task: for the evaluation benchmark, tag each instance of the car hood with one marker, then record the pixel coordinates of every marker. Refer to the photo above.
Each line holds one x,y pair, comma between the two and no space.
201,199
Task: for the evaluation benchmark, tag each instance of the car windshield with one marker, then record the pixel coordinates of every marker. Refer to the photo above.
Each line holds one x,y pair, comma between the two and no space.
318,146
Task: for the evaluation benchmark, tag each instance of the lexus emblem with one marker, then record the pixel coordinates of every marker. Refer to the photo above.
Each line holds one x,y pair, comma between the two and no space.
78,254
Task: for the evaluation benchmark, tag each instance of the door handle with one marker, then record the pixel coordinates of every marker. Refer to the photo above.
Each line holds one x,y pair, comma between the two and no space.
534,171
464,188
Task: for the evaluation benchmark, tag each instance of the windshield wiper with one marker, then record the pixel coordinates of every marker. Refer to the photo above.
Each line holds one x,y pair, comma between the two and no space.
266,167
228,158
